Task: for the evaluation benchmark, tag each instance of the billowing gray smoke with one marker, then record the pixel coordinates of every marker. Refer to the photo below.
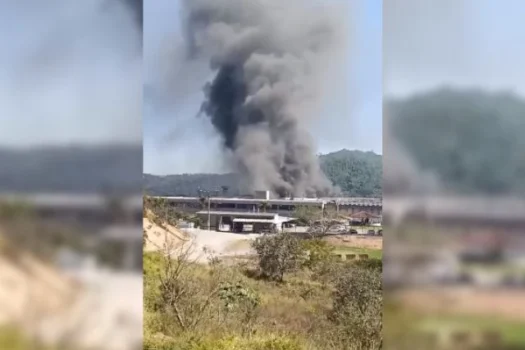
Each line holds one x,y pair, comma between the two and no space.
270,59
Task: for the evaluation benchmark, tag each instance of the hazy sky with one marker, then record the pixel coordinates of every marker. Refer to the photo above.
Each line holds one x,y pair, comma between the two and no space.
175,141
461,42
70,72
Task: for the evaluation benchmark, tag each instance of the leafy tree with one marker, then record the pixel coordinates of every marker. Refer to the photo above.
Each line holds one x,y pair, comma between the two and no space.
320,222
319,252
278,254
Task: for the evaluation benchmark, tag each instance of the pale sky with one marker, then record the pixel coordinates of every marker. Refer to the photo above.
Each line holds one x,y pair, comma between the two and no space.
70,72
352,125
428,43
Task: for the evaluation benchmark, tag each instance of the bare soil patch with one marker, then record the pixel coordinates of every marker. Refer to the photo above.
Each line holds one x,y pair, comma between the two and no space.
368,242
467,301
157,237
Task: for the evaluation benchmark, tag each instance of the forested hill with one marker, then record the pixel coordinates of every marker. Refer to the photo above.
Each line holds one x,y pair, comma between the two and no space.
357,173
470,139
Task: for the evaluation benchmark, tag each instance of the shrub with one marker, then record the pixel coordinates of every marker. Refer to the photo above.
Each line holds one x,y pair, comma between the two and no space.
319,252
278,254
357,308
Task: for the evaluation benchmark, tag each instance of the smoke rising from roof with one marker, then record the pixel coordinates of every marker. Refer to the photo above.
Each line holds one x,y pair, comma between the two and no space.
272,60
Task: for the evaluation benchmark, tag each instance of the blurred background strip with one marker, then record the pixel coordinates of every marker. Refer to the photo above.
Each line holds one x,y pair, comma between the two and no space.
70,175
454,174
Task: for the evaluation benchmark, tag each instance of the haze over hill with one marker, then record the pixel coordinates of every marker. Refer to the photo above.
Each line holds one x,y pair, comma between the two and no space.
356,173
470,140
77,169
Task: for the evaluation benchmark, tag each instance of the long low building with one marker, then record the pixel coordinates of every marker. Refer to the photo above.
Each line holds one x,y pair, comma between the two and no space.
242,222
283,207
87,209
480,211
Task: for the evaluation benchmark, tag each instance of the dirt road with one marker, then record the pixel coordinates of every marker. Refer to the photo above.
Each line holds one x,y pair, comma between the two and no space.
220,243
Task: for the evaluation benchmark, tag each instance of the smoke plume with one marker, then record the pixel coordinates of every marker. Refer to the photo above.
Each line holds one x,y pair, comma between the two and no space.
271,58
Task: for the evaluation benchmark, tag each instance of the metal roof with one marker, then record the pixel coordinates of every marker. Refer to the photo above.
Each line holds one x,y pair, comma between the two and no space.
287,201
237,213
254,221
70,200
266,221
477,208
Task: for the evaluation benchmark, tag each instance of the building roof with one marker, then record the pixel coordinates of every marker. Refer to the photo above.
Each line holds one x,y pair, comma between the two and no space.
358,201
238,214
279,219
70,200
458,207
364,215
286,201
254,221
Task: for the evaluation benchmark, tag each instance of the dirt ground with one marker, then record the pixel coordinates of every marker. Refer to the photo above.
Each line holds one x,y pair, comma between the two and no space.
86,306
30,287
369,242
230,244
504,303
196,241
158,237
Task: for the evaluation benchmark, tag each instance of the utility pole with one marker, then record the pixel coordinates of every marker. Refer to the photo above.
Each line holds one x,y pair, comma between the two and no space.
209,213
208,195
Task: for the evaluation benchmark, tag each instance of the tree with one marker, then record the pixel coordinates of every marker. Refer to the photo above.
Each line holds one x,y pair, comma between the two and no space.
278,254
319,221
182,295
319,253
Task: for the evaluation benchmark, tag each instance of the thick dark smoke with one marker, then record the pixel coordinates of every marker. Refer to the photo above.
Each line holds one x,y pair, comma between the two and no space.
271,58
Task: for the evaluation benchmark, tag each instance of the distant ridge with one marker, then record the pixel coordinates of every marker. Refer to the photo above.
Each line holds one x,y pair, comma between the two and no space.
357,173
75,169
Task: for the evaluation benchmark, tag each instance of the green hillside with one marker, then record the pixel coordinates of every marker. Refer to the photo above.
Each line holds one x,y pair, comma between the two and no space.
356,173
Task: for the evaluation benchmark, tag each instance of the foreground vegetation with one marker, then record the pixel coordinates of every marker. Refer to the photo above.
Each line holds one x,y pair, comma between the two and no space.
292,295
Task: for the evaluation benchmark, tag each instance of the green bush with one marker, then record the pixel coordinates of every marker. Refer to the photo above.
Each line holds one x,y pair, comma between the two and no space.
357,308
319,252
278,254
